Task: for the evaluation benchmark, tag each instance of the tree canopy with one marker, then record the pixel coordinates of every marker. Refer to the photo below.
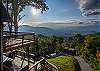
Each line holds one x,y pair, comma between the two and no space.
15,7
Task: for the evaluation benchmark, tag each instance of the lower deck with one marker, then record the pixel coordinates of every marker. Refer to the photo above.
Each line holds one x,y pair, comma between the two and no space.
17,43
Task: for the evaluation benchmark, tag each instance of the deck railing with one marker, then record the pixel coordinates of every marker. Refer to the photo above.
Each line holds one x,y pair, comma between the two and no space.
12,41
43,65
20,39
50,66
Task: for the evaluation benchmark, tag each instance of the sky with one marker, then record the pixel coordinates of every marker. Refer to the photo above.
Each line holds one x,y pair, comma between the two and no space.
62,11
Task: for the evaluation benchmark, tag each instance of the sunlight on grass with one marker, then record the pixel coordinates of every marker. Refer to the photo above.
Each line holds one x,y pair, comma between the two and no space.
63,63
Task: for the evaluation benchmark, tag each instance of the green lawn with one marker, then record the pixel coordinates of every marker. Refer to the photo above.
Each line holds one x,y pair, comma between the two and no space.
63,63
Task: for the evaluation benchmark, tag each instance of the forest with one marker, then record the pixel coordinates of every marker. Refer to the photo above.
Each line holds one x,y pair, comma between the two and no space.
86,46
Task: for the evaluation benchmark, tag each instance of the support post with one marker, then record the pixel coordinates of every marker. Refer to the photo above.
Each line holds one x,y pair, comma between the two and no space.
1,46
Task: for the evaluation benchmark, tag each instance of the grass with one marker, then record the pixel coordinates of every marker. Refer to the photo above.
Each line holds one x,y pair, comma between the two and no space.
63,63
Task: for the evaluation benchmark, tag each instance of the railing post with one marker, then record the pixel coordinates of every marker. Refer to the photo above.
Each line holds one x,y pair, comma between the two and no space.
34,36
28,58
15,52
22,40
44,64
36,68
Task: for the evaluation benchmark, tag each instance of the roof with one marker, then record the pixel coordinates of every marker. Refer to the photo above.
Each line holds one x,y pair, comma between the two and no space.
4,15
71,49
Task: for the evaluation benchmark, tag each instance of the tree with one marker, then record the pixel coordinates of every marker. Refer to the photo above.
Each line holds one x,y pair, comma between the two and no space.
17,6
87,46
60,40
88,49
51,44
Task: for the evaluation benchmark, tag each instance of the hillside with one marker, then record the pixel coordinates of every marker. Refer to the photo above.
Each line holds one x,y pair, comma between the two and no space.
63,31
38,30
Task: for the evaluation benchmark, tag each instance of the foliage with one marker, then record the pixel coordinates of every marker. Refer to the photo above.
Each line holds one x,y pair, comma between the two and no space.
17,6
86,46
63,63
48,45
97,67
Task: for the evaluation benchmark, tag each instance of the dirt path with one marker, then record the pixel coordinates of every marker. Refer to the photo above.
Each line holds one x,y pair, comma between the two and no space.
83,65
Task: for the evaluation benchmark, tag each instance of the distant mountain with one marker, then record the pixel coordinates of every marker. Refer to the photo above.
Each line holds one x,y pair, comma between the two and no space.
38,30
62,31
80,29
65,31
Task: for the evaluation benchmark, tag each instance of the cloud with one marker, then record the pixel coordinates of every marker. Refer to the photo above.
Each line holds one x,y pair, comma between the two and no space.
89,7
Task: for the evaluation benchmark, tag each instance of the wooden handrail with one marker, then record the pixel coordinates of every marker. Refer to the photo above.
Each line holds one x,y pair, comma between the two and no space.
16,35
20,51
14,47
12,34
45,62
17,32
36,64
17,43
53,66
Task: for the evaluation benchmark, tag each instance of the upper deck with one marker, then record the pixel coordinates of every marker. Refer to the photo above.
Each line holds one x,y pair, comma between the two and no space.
13,41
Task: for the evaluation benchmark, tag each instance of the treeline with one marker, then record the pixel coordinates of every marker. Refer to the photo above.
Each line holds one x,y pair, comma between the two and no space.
48,45
87,46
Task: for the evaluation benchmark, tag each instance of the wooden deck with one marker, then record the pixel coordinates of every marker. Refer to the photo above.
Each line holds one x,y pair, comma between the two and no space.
18,61
32,65
17,43
14,41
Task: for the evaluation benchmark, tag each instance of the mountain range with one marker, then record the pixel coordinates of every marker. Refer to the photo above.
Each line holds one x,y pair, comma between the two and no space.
65,31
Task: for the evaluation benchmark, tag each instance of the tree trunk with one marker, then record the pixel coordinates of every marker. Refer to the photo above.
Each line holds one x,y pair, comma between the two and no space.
15,17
